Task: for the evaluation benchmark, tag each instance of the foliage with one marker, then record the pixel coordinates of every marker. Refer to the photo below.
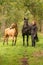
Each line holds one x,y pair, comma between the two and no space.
15,11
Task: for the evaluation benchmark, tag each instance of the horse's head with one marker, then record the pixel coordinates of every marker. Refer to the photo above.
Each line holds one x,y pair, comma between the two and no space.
26,21
13,25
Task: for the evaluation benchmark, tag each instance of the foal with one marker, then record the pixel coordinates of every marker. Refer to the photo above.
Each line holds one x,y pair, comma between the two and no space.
25,31
11,32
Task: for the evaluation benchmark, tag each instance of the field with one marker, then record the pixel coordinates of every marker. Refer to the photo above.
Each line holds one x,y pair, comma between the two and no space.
22,55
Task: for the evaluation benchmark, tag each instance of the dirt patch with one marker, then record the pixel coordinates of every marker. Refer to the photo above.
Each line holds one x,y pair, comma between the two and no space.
38,53
24,61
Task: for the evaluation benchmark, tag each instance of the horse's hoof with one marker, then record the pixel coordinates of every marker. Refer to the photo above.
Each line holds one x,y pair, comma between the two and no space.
3,43
37,40
27,45
23,45
14,44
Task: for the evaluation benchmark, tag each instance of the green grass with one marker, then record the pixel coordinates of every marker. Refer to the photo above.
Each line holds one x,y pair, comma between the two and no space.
12,55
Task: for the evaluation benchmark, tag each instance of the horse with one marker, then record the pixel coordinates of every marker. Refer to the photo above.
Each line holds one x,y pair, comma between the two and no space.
11,32
26,31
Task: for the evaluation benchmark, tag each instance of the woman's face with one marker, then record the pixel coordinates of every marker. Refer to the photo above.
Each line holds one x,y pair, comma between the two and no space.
33,22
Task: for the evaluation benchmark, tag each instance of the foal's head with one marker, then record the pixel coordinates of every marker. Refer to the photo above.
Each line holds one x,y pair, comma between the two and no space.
13,25
26,21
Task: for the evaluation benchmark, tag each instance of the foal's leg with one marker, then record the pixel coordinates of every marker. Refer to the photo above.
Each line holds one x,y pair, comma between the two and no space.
27,40
7,40
23,40
12,41
15,40
4,41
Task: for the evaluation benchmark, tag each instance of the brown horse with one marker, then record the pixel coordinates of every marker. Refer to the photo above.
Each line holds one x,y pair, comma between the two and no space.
11,32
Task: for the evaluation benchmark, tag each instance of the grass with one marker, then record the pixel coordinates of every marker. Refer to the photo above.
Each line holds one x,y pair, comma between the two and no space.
12,55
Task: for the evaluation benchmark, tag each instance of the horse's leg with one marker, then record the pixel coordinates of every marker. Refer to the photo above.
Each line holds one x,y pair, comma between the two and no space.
27,40
15,40
3,41
7,40
23,40
12,41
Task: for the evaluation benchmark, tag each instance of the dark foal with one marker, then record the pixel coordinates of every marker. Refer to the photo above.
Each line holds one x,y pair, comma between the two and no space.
25,31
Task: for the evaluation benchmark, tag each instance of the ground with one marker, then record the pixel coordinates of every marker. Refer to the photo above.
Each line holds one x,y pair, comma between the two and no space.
20,55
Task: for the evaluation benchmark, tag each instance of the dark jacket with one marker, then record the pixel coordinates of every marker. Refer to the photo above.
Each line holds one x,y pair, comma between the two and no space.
34,30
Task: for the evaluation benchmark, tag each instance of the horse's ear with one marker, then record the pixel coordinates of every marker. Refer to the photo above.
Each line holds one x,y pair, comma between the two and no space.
24,18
